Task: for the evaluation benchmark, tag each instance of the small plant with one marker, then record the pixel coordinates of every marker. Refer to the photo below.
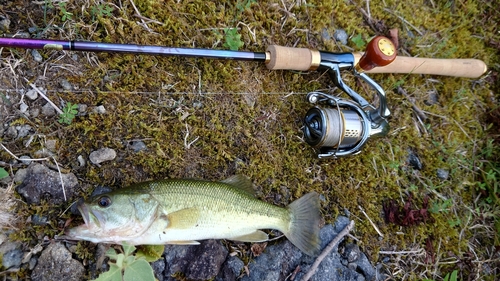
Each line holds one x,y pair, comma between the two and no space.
233,39
127,266
69,113
453,276
3,173
65,14
359,41
101,10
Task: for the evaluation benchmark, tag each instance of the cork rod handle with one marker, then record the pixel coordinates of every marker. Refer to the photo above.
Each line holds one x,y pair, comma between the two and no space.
469,68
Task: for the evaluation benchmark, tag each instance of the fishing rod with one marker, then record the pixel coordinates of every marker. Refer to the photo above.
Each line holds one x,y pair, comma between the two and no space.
336,127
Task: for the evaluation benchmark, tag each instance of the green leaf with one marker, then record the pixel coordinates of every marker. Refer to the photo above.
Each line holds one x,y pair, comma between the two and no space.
114,274
128,249
3,173
111,253
119,260
150,253
358,41
139,270
233,39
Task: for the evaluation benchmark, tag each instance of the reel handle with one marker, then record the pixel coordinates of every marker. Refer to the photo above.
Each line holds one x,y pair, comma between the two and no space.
379,52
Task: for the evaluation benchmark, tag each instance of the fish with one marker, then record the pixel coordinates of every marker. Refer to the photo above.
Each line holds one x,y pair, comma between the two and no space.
184,211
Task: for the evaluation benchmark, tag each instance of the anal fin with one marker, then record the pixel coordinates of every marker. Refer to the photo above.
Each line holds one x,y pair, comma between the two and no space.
187,242
256,236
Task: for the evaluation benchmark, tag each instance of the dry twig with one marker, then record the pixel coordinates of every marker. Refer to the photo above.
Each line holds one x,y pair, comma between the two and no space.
327,251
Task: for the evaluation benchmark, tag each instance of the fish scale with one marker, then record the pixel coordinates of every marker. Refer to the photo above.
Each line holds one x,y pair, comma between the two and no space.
179,211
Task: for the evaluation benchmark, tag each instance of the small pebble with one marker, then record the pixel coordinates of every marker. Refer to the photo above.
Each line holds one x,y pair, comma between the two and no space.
442,174
25,160
81,160
65,84
138,146
23,107
39,220
32,94
36,55
48,110
11,132
32,263
51,145
33,29
23,130
325,34
100,109
12,259
102,155
82,108
4,24
341,35
34,112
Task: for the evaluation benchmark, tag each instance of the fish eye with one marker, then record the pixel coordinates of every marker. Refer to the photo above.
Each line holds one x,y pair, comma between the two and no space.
104,201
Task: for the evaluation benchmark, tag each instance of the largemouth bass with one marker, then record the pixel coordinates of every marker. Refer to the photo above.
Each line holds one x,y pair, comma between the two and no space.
182,211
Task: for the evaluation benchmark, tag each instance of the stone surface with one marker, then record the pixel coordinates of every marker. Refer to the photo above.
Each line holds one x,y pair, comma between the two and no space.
42,183
102,155
414,161
56,263
196,262
231,269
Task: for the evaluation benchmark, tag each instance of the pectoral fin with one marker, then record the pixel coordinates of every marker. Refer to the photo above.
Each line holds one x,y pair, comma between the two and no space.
257,236
183,219
187,242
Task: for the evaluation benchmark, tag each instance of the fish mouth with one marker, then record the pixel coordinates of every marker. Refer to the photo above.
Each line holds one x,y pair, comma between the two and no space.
90,217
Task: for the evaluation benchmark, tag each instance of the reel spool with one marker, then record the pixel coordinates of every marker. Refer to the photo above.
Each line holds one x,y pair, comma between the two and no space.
342,127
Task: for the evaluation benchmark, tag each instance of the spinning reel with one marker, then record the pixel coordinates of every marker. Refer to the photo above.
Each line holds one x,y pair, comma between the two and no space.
340,127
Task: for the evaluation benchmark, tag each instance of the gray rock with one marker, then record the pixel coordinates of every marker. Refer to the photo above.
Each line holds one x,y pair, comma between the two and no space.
325,34
32,263
42,183
341,35
20,175
442,174
12,258
23,130
34,112
100,109
48,110
352,252
82,108
56,263
39,220
159,269
11,132
102,155
65,85
413,160
32,94
280,260
197,262
4,24
36,55
231,269
25,159
138,146
23,107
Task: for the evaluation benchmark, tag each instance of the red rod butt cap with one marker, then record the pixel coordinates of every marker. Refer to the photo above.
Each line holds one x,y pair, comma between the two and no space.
379,52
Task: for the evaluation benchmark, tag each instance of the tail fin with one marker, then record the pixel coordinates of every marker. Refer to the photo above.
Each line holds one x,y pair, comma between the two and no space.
304,224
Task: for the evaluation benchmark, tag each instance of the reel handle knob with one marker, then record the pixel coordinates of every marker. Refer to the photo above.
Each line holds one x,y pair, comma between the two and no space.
379,52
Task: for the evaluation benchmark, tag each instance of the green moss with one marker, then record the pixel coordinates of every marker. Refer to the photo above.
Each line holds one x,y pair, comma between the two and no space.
159,99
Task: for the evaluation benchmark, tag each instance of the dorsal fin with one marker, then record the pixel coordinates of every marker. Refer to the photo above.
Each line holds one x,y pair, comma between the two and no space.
242,183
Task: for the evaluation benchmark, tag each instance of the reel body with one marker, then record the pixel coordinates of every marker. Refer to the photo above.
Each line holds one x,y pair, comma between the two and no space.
340,127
